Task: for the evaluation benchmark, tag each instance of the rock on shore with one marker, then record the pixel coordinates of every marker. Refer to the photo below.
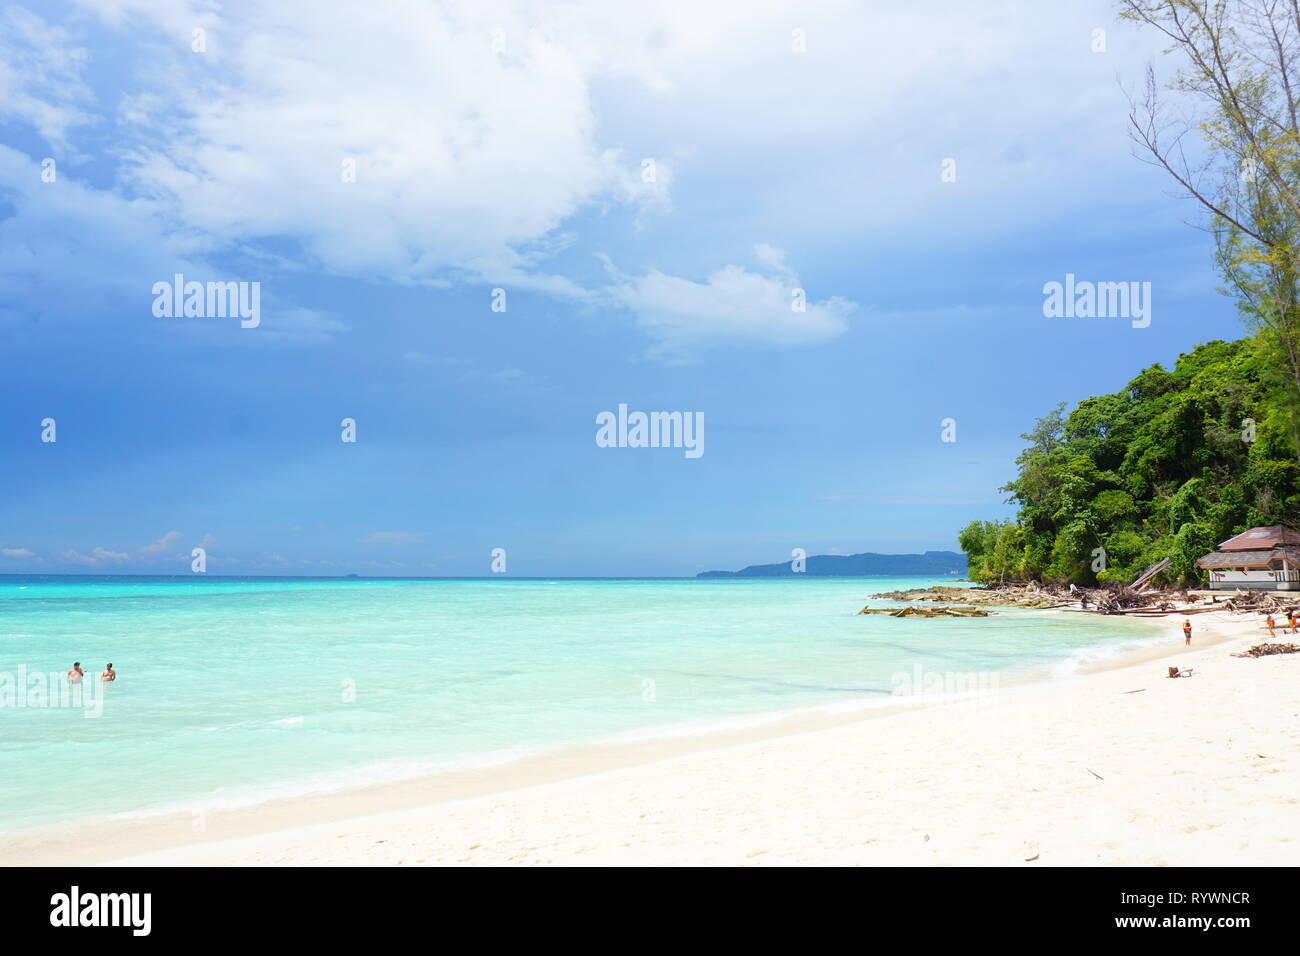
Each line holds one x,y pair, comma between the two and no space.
1003,597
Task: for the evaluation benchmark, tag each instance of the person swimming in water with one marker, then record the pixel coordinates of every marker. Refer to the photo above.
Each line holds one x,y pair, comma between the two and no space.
75,673
109,673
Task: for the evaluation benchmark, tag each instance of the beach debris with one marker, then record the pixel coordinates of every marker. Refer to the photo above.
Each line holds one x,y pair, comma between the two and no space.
1031,859
1138,691
1184,672
943,611
1262,601
1267,650
1110,598
1113,598
1094,773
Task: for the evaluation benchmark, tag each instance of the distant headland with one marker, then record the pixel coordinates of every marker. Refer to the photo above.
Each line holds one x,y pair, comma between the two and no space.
929,564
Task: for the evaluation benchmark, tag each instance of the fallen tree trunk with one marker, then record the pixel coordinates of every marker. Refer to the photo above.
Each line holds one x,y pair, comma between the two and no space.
1145,577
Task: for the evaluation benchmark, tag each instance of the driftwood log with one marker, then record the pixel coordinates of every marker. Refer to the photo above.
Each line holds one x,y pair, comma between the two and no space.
944,611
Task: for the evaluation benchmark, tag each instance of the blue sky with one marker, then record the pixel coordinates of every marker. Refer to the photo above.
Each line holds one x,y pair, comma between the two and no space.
503,146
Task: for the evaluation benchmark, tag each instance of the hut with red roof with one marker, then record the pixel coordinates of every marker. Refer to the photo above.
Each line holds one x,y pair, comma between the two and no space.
1261,559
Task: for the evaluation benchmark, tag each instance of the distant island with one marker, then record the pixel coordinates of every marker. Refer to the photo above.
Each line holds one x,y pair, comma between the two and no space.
930,564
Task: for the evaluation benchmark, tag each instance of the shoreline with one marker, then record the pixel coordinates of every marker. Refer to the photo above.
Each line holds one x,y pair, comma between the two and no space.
246,834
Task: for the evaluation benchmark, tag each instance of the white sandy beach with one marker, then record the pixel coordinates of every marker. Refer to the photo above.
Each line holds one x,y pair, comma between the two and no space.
1118,767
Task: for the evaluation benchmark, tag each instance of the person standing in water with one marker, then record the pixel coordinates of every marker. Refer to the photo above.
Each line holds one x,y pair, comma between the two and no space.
109,673
75,673
1187,630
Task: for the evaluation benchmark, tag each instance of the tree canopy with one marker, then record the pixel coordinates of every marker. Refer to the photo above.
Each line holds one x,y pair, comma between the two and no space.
1167,467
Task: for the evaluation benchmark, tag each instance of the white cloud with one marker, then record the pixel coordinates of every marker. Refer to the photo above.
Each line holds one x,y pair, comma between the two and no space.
463,155
73,556
392,537
160,545
71,248
40,75
732,306
97,557
17,553
154,553
480,130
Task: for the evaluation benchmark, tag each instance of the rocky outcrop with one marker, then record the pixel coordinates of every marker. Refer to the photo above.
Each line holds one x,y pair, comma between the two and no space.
1002,597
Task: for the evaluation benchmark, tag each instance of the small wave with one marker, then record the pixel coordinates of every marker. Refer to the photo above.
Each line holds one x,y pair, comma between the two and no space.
334,781
292,721
1074,664
712,725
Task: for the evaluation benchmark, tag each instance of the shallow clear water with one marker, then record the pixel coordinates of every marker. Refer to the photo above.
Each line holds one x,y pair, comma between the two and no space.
233,690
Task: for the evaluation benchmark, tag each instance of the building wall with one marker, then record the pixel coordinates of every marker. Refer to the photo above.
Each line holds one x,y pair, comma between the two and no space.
1231,579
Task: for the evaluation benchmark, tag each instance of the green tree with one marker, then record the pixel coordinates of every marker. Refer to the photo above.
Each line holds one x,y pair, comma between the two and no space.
1237,84
1169,466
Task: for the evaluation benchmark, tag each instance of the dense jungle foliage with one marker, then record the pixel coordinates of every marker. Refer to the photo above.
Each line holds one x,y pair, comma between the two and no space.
1169,467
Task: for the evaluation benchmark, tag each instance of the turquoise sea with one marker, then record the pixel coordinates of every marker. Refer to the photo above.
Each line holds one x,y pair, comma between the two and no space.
234,690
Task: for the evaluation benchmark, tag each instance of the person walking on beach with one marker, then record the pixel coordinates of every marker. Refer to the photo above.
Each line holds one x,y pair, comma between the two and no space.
1291,614
1187,630
109,673
75,673
1270,624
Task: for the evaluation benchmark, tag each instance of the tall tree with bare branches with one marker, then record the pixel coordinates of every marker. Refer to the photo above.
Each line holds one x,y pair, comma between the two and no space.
1237,85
